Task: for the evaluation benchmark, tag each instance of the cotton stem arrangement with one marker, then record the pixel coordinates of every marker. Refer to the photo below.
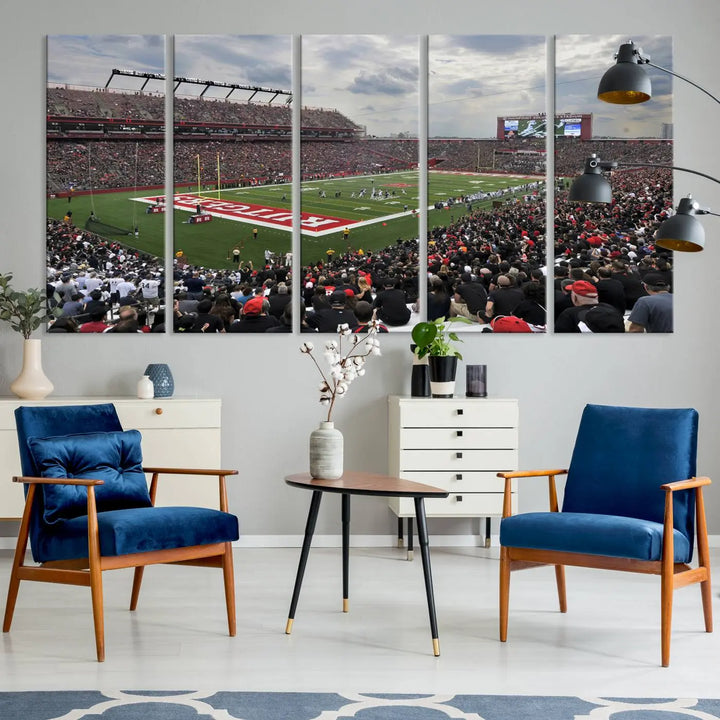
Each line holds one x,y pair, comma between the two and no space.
344,365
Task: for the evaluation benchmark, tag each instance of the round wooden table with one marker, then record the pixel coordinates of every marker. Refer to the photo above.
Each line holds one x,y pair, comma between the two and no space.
363,483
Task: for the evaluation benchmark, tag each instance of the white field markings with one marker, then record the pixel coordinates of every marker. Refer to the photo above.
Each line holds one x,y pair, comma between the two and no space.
411,176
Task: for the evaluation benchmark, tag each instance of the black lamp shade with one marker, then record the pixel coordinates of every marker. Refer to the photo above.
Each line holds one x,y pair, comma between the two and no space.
682,232
591,186
626,82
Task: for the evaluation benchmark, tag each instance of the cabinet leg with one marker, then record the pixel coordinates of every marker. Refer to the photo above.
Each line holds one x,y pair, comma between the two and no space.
400,537
487,532
410,532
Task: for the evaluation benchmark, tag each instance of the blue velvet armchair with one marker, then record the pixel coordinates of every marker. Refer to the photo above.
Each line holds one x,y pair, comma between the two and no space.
88,508
632,502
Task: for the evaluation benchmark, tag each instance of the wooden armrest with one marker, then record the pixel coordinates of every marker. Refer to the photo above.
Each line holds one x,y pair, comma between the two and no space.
57,481
531,473
686,484
188,471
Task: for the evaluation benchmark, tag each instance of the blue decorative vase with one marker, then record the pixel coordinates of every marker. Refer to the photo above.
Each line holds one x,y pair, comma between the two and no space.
162,379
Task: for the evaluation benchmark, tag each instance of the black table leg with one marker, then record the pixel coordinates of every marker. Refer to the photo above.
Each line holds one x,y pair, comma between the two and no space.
309,530
410,534
425,553
346,549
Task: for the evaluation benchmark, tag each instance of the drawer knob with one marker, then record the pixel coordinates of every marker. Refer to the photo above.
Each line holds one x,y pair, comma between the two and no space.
460,411
459,433
458,476
458,498
458,456
158,411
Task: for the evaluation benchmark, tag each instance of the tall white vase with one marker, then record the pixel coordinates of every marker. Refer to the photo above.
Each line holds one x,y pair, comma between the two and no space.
32,383
326,452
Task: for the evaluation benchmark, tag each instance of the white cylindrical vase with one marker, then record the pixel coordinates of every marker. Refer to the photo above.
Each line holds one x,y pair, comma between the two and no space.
32,383
326,452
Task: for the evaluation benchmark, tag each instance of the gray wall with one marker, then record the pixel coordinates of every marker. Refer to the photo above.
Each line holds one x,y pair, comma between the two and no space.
268,389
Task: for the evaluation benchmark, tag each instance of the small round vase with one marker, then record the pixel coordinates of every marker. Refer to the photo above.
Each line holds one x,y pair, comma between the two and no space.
162,379
145,388
31,383
326,452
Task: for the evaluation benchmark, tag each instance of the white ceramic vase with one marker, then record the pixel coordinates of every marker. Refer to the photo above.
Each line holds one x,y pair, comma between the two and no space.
326,452
32,383
145,388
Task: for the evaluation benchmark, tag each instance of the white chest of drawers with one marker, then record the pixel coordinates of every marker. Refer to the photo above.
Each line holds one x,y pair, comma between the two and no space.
458,444
176,432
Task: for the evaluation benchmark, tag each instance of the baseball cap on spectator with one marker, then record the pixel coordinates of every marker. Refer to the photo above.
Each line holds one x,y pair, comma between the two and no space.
583,288
253,306
338,297
509,324
655,281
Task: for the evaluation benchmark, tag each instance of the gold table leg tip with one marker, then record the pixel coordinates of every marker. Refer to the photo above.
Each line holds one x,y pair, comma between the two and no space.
346,605
410,554
436,647
288,627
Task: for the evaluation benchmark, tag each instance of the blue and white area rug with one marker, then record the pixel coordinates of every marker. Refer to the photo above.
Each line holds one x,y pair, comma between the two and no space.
188,705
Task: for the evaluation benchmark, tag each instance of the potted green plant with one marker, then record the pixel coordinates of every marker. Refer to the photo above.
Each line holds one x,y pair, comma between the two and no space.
24,311
434,339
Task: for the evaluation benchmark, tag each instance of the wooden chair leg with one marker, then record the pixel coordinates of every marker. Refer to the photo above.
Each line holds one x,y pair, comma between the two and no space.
229,580
11,599
18,560
96,588
137,581
666,602
560,581
704,559
504,591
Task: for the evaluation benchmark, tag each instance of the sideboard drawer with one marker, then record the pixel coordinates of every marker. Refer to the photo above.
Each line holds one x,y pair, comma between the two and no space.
462,412
458,460
160,413
455,505
460,482
459,437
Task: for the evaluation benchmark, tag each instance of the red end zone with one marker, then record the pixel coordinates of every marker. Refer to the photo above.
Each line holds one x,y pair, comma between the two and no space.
256,214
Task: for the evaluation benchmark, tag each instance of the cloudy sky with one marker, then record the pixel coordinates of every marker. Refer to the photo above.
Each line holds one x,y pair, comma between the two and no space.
580,63
259,60
87,60
374,79
474,79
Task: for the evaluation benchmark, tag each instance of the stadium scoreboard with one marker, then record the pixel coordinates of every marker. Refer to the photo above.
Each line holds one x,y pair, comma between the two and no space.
535,126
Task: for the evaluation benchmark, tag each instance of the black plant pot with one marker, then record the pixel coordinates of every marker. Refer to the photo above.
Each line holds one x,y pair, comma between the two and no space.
442,375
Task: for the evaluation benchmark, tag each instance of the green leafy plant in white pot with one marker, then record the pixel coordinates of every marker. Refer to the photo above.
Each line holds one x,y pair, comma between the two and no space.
25,311
435,340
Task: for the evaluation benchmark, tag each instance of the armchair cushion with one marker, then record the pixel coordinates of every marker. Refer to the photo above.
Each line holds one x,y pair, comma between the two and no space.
593,534
114,457
136,530
623,455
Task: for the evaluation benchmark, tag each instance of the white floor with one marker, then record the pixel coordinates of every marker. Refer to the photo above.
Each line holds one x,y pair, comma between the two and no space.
608,644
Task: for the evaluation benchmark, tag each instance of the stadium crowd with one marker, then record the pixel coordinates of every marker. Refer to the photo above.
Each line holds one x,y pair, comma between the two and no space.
485,265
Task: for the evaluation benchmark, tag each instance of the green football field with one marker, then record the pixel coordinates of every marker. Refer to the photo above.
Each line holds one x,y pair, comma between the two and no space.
383,219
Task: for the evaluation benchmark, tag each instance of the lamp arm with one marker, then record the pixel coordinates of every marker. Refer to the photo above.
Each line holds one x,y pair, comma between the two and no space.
682,77
667,167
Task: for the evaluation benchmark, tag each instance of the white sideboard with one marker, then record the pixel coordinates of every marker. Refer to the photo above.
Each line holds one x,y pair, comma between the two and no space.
176,432
458,444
